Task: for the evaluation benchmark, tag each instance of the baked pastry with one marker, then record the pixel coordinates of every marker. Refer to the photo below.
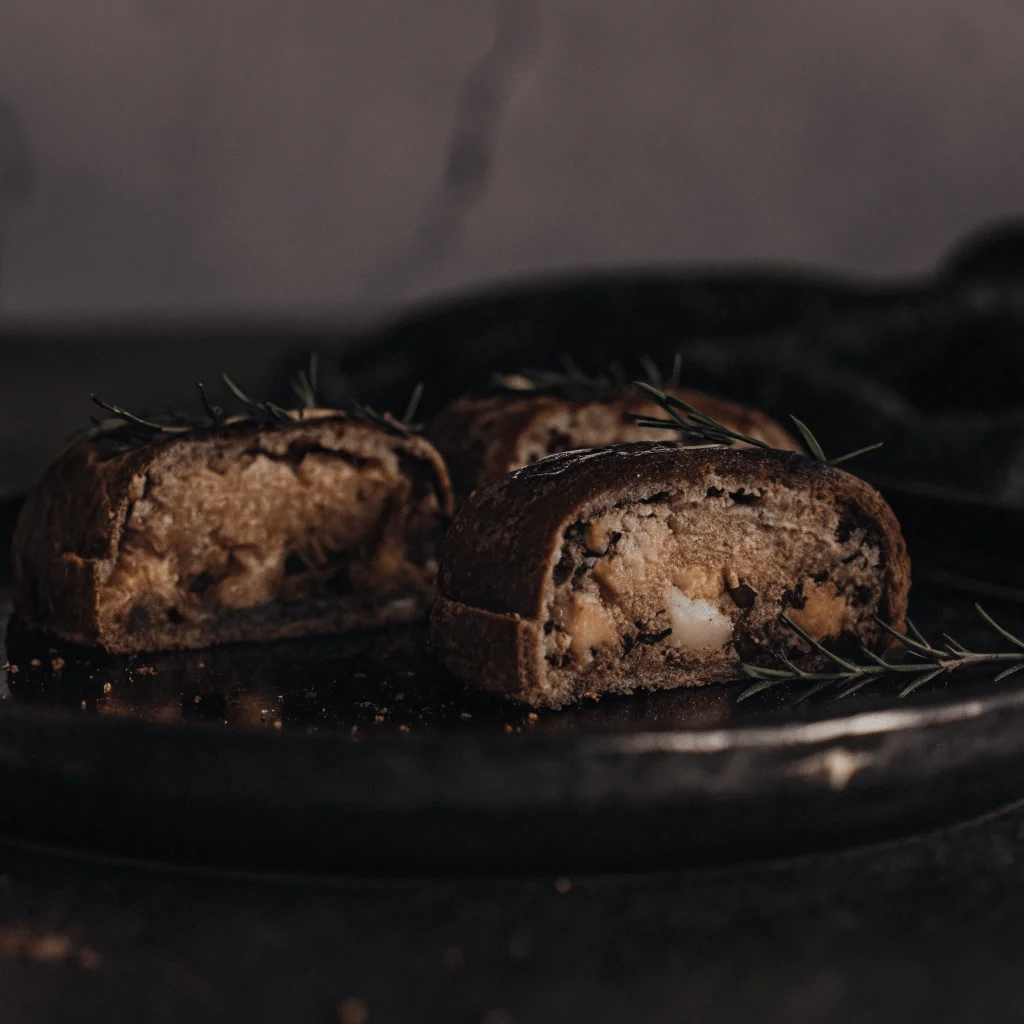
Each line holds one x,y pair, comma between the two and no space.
658,565
483,438
318,522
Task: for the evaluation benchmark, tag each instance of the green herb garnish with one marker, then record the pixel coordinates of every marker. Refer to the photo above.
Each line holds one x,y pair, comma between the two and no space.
931,662
699,428
124,430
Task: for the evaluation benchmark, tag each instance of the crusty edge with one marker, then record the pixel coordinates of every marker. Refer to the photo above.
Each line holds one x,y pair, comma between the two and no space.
500,652
66,533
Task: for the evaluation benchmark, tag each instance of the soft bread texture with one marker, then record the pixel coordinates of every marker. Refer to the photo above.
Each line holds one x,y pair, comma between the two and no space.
234,534
483,439
658,565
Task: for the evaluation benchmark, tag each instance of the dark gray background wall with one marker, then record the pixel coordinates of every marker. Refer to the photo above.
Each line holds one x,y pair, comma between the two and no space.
274,156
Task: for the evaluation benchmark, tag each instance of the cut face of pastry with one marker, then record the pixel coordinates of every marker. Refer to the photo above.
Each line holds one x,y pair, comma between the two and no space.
240,533
660,566
483,439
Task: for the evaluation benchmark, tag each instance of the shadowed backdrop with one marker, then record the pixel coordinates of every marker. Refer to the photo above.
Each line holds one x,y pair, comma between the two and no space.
169,157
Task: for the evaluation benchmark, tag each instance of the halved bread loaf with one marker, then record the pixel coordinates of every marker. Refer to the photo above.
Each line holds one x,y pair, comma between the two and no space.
236,533
484,438
657,565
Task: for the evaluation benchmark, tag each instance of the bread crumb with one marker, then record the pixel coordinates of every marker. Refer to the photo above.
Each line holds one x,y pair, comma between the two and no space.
508,729
533,716
278,724
57,664
465,716
107,687
35,663
83,705
197,699
563,885
13,669
593,696
145,670
403,728
353,1011
379,719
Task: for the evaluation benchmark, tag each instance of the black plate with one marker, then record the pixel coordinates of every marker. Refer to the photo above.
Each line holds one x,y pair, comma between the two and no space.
363,753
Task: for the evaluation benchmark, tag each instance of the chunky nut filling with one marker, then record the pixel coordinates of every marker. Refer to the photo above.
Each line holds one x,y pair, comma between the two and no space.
701,575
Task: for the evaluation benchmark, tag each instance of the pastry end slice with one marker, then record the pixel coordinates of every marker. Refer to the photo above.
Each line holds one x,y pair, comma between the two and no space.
484,438
656,565
238,533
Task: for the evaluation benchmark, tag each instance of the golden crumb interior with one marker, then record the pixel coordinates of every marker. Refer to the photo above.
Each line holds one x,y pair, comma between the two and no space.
695,579
282,527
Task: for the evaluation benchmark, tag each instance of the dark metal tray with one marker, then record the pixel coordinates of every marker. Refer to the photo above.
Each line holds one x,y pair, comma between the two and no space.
361,753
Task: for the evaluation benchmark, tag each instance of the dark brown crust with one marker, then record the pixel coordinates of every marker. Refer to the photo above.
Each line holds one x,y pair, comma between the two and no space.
478,437
500,549
70,528
509,646
462,434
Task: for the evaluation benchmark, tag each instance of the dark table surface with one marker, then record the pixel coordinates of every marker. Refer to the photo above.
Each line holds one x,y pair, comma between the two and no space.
926,929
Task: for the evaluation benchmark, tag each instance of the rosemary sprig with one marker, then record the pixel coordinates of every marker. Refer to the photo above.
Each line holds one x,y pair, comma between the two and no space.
700,428
405,427
576,385
123,430
305,383
931,662
691,422
130,418
654,375
570,382
214,412
816,450
267,414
